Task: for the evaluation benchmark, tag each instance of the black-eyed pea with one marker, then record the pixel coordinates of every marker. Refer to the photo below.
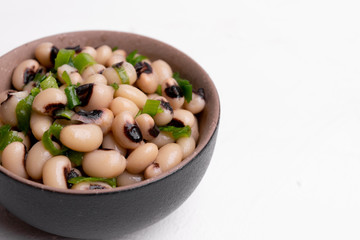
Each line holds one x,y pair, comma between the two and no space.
8,106
36,159
103,163
94,96
187,145
114,59
164,117
39,123
173,93
147,80
91,186
162,70
110,143
127,178
96,78
49,100
182,118
169,156
102,117
24,72
141,157
103,53
125,130
82,137
132,93
93,69
73,73
46,53
120,104
13,159
55,172
89,50
147,126
29,86
120,73
162,139
197,102
152,170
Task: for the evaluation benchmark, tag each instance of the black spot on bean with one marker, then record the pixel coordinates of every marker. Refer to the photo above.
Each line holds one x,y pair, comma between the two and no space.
166,106
174,92
53,107
9,95
176,123
143,67
29,75
132,132
70,175
96,186
154,131
84,93
200,92
93,115
53,54
118,65
77,48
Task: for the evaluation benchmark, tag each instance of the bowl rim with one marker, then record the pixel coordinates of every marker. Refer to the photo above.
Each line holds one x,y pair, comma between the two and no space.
199,148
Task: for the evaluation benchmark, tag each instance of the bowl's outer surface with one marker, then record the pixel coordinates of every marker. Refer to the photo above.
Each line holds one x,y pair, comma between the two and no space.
112,213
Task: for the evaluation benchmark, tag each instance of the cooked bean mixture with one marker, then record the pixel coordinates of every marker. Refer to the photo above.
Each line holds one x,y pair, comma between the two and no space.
90,118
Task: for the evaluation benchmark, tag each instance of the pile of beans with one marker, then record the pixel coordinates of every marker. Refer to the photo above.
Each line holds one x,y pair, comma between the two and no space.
115,139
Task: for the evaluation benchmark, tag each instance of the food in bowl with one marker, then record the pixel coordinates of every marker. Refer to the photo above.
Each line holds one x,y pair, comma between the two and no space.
86,118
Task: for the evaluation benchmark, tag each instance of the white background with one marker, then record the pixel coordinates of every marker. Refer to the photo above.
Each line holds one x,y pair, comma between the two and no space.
287,160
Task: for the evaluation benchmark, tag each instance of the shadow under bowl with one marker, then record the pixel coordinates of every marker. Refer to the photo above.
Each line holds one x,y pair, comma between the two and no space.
115,212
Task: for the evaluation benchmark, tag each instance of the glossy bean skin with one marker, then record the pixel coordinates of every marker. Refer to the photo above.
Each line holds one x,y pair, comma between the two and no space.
120,104
112,75
96,78
183,117
82,137
72,72
91,186
55,172
132,93
102,117
93,69
141,157
127,178
89,50
147,126
101,97
162,139
169,156
13,159
197,102
103,163
8,106
25,68
39,124
147,79
173,93
162,70
114,59
44,53
36,159
49,100
187,145
152,170
103,53
164,117
125,130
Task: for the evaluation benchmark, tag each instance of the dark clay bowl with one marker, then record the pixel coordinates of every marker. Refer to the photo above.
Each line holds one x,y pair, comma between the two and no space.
112,213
